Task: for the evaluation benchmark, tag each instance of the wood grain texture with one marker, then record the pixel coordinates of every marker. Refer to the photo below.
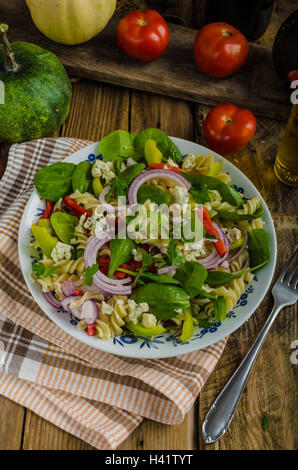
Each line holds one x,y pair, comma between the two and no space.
174,74
12,418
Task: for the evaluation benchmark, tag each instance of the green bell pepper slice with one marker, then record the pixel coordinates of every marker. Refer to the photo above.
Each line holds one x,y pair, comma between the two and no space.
215,169
97,186
237,243
139,330
44,239
188,327
45,223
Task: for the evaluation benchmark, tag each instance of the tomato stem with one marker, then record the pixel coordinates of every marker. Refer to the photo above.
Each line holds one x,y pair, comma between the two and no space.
143,23
226,33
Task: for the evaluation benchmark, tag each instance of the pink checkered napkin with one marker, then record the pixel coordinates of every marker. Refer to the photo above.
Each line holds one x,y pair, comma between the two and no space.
98,397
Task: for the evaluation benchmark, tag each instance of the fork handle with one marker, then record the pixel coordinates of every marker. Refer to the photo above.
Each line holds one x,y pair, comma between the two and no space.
222,411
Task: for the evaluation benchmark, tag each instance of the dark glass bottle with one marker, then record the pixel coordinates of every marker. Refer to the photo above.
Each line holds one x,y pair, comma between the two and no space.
251,17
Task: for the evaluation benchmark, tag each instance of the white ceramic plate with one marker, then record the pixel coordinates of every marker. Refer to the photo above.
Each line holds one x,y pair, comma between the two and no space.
163,345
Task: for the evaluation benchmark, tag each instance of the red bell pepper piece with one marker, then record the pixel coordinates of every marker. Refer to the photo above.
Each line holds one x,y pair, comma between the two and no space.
211,230
78,292
91,330
164,166
48,210
104,263
75,208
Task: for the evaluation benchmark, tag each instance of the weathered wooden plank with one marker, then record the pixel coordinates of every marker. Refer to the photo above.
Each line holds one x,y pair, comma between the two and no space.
39,434
155,436
11,424
174,74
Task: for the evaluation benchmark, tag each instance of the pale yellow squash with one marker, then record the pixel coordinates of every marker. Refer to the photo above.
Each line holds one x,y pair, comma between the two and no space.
71,21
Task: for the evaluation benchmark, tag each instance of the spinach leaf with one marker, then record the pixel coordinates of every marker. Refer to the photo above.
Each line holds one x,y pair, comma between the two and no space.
258,246
205,294
117,145
174,256
54,181
220,310
121,182
90,271
205,323
233,216
192,276
120,253
160,278
153,193
164,144
200,193
219,278
129,174
163,300
147,259
64,225
227,193
82,178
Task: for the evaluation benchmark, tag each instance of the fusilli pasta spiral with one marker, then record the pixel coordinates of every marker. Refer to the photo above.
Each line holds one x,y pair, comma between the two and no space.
257,223
85,199
81,239
250,206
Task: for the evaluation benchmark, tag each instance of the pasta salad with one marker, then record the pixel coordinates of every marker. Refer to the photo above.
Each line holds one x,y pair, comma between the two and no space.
144,240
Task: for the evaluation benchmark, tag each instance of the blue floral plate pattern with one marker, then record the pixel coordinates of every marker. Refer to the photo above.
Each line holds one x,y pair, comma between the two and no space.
163,345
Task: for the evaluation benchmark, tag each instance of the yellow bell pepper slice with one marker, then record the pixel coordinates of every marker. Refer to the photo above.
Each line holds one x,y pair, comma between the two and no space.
139,330
44,239
188,327
97,186
152,153
215,169
237,243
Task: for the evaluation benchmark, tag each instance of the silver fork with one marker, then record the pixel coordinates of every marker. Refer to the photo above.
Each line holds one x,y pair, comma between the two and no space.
222,411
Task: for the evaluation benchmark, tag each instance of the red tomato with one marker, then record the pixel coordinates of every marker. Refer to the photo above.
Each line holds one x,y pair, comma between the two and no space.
143,35
228,128
220,49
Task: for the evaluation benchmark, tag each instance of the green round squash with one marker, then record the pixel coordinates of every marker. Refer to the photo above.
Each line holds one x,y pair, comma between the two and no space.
37,91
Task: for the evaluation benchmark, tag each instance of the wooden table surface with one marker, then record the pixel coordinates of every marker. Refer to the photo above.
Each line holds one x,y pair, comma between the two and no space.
98,109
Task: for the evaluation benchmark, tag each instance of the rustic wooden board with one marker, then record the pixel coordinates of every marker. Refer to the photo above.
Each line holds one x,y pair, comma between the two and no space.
175,74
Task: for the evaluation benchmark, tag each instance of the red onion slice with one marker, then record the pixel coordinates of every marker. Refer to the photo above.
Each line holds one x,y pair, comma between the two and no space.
69,287
240,251
148,175
167,269
89,311
51,299
66,305
246,266
110,286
